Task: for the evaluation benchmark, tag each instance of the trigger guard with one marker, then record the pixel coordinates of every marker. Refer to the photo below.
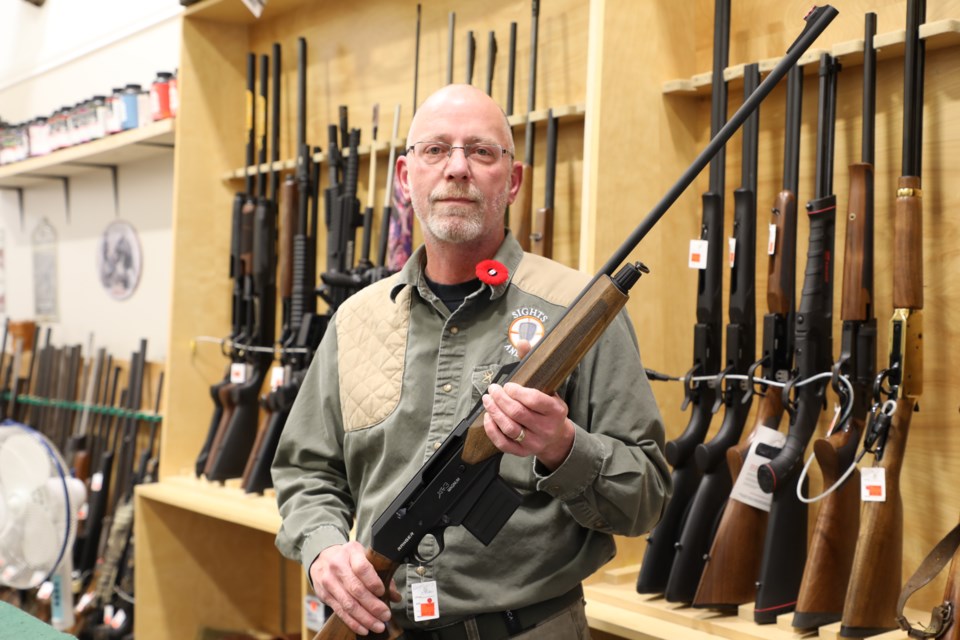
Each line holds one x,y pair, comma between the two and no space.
438,536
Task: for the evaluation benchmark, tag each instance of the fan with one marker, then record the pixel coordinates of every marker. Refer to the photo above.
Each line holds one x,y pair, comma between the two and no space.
39,502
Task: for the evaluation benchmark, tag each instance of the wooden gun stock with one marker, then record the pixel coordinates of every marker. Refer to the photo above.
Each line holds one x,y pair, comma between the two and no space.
541,240
857,301
780,273
730,575
951,594
874,586
335,629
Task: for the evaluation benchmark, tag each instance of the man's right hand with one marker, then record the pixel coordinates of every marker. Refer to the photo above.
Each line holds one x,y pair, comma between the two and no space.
346,581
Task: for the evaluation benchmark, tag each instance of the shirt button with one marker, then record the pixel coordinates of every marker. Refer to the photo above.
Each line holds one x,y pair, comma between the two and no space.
448,387
421,570
454,330
436,445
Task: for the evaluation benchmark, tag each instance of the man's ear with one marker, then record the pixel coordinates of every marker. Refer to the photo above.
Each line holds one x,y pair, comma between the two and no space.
403,177
516,178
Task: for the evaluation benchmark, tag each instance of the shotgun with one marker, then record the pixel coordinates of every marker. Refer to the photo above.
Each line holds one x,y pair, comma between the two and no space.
713,491
491,61
730,576
823,588
874,585
662,542
943,618
467,460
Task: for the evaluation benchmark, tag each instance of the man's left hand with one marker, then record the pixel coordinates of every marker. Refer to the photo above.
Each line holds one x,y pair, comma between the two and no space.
524,421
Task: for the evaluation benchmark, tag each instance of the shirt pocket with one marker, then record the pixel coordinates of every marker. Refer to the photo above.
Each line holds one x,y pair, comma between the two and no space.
482,377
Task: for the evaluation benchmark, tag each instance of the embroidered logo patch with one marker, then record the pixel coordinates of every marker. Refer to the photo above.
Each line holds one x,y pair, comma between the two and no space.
527,324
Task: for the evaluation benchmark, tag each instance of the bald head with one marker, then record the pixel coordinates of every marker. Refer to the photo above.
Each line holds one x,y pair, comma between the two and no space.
457,101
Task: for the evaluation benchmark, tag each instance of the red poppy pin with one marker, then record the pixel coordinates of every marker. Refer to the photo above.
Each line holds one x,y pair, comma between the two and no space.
492,272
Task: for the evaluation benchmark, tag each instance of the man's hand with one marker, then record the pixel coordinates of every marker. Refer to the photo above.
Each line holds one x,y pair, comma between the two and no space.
345,580
524,421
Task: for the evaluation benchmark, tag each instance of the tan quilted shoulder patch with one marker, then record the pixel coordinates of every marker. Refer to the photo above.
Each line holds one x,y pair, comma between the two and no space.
372,342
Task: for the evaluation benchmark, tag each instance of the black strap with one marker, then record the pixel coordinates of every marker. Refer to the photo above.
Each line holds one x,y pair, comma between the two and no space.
942,615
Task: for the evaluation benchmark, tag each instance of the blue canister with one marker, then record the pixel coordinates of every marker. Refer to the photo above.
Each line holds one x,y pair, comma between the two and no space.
128,107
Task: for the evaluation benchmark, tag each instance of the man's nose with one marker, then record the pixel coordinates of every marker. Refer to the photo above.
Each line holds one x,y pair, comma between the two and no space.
457,167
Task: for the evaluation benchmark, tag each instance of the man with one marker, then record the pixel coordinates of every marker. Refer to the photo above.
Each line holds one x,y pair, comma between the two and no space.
406,359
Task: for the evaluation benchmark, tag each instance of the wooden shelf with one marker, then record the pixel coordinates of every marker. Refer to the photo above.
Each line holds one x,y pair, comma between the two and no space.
563,113
224,502
889,45
614,606
126,146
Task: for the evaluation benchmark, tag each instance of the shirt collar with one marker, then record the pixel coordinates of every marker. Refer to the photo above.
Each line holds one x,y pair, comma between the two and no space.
509,255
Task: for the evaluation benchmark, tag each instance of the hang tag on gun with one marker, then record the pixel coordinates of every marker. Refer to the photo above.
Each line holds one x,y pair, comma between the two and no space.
764,448
424,598
697,259
873,484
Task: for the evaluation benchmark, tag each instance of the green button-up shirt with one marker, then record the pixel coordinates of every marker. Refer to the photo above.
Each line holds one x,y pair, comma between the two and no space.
396,372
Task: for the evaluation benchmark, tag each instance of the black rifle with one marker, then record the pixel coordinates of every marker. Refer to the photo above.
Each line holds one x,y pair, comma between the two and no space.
511,68
491,61
520,213
467,461
661,543
785,546
541,233
228,460
471,55
707,505
243,204
306,327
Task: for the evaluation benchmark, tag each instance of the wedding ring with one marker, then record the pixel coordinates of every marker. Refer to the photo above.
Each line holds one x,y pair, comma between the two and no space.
520,436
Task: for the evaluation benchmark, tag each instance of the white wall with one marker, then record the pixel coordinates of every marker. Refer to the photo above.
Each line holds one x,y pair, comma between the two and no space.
60,54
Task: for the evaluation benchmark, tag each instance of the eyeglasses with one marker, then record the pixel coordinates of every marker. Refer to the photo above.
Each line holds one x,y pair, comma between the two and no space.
432,152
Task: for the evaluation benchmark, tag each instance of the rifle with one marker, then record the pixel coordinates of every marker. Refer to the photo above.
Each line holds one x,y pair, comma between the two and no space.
243,207
511,68
877,562
541,239
661,543
491,61
827,572
523,205
471,55
476,496
785,546
453,20
229,458
730,575
707,505
306,327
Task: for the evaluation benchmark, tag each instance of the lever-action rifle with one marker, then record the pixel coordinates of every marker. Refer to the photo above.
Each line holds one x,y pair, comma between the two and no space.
827,572
467,460
729,578
661,543
785,547
870,607
541,238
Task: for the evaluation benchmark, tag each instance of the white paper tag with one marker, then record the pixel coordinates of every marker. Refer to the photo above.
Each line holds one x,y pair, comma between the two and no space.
278,376
732,251
84,511
873,484
424,598
107,614
96,482
313,613
766,445
45,591
84,601
118,619
698,254
238,373
772,240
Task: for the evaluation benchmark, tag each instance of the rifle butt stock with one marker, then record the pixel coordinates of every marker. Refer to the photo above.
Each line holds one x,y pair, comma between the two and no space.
217,392
521,210
335,629
729,576
784,555
823,587
660,551
229,459
874,587
258,476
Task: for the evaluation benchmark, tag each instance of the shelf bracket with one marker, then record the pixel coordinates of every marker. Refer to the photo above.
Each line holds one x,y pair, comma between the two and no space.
113,177
19,191
66,189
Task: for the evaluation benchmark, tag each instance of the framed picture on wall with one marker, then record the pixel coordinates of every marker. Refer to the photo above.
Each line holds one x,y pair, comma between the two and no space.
119,260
